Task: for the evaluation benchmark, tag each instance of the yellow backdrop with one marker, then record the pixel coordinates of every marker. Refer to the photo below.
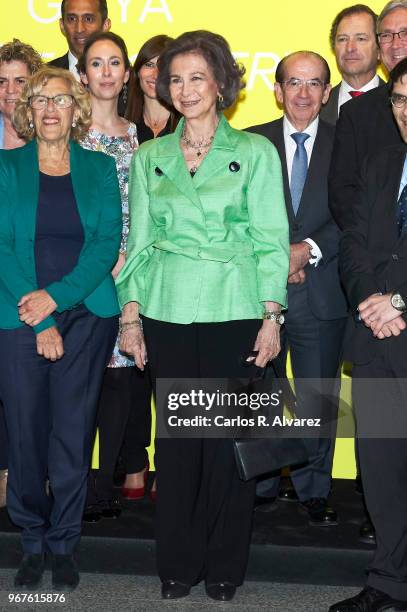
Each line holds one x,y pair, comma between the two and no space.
260,33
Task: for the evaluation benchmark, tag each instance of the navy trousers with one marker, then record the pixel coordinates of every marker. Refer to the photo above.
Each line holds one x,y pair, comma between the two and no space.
316,349
50,413
3,440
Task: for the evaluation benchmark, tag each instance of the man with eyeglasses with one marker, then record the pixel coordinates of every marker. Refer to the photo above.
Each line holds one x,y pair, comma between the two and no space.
354,43
373,253
317,310
366,123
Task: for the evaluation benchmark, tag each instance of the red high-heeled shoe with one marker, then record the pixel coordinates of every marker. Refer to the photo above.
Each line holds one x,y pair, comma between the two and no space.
133,493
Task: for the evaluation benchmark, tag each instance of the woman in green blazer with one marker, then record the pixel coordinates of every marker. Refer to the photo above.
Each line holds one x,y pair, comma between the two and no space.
207,260
60,230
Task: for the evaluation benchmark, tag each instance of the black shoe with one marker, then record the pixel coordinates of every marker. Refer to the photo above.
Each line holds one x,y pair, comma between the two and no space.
369,600
29,575
110,508
265,504
65,576
319,513
288,494
92,514
221,591
367,533
172,589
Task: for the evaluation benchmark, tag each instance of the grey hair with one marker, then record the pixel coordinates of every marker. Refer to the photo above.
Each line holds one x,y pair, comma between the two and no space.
388,8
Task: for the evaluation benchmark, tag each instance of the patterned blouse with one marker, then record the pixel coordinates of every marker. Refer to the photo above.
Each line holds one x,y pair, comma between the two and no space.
121,148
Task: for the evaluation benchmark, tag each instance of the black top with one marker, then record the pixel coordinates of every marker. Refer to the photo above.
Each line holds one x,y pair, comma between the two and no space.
59,233
144,132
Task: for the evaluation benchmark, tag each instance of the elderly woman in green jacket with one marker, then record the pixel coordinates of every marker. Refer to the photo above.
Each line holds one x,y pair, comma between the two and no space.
207,267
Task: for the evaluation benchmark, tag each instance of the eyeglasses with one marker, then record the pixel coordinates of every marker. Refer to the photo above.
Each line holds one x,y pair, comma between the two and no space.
385,38
296,84
60,101
398,100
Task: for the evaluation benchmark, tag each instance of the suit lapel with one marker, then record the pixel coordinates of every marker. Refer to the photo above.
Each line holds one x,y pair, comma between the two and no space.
391,193
316,163
220,152
28,185
278,140
81,183
170,160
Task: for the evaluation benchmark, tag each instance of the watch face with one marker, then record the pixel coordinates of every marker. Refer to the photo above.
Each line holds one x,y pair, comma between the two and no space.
280,319
397,301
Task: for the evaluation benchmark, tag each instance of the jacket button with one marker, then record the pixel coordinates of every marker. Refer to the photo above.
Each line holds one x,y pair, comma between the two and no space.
234,166
395,257
158,171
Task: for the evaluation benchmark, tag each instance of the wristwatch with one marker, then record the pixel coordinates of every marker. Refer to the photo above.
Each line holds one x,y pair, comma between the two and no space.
398,302
272,315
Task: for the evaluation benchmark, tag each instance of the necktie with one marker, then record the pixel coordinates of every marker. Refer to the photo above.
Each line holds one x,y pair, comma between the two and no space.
299,169
402,210
356,94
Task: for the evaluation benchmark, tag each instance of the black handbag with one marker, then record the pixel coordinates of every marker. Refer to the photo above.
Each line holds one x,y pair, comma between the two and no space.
258,456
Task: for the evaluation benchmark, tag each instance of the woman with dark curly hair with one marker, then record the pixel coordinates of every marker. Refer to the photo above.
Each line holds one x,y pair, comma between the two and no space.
207,260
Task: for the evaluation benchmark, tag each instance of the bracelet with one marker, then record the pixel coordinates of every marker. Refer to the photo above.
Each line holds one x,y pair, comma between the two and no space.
128,325
273,315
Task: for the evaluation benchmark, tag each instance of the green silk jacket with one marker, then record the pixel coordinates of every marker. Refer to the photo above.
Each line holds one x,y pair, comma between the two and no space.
96,190
209,248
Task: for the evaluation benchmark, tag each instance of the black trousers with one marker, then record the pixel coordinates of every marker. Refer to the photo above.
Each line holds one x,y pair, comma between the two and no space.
3,440
137,434
204,511
315,350
50,413
124,391
383,465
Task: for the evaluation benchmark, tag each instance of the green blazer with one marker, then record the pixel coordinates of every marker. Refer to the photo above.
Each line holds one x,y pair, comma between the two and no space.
212,247
96,189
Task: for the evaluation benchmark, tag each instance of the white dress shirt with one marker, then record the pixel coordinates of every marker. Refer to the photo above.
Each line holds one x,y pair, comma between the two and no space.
290,149
345,88
72,65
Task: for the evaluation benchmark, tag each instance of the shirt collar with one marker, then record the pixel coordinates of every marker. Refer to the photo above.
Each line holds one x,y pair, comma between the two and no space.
346,88
72,65
290,129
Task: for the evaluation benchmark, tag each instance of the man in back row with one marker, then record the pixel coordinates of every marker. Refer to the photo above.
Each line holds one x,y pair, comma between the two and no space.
353,41
366,123
80,19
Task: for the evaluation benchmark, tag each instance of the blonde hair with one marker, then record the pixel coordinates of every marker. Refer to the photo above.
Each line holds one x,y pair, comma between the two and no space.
17,51
21,120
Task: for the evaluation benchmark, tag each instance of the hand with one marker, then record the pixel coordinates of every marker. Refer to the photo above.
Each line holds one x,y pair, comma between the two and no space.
376,311
132,343
297,277
35,306
50,344
267,343
118,265
394,328
299,256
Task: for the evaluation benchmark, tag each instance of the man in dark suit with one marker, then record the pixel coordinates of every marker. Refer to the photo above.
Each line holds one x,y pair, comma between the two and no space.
353,41
366,123
372,261
80,19
317,309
